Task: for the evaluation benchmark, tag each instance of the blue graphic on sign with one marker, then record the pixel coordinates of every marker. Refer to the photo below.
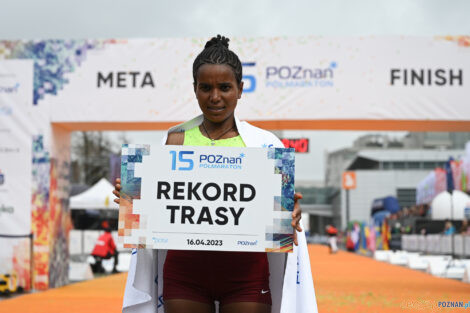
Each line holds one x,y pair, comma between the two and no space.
221,161
182,159
2,178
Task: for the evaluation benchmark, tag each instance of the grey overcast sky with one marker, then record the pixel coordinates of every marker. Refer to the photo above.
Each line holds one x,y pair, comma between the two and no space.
44,19
50,19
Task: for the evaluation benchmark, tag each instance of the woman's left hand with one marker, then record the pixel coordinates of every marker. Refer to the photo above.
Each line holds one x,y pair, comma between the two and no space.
296,216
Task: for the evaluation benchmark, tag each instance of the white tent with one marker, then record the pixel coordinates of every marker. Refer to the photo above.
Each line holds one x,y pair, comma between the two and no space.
441,206
99,197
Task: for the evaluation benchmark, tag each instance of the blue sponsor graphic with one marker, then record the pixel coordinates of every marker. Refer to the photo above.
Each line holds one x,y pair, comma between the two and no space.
247,243
10,89
2,178
221,161
182,159
249,81
159,240
292,76
298,272
6,110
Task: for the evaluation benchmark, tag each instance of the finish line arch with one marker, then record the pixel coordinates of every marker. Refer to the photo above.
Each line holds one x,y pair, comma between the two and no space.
373,125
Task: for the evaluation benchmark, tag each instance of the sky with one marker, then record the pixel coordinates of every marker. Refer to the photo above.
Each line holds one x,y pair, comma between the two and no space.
47,19
51,19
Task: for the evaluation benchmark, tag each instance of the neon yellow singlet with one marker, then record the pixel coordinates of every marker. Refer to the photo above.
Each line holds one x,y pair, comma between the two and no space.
194,137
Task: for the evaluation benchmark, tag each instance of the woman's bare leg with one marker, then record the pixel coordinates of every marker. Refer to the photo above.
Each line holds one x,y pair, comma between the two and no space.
246,307
187,306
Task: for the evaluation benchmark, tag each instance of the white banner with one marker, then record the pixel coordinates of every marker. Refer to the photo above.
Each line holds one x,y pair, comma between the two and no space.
288,78
196,198
16,92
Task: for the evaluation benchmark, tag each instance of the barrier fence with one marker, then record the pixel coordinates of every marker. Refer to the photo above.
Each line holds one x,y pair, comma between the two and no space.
437,244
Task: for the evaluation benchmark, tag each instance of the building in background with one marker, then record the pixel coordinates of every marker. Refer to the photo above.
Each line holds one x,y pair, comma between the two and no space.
387,166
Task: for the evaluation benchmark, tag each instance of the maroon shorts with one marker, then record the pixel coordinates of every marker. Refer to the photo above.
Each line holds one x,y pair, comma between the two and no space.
206,276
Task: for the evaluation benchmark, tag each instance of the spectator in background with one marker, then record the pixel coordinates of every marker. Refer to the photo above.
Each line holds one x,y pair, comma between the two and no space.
104,249
331,231
465,228
355,235
449,229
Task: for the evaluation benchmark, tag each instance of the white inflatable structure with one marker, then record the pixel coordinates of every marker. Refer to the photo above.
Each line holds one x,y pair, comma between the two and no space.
441,207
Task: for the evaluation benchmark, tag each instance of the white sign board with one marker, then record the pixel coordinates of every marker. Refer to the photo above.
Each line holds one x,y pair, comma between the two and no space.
207,198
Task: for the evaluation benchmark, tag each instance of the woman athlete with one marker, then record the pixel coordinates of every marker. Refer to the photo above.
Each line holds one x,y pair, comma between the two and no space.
193,280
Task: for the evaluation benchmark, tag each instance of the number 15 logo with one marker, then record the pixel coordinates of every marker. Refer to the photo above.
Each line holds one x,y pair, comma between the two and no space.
181,159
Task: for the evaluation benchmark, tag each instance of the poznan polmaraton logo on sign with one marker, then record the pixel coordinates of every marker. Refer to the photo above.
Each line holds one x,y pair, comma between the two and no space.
185,160
10,89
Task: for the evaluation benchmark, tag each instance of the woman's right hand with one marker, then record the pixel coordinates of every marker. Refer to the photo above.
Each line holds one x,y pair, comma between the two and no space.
117,189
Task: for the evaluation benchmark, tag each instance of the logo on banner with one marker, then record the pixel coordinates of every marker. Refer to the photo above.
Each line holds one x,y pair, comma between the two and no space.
7,209
2,178
5,110
291,76
10,89
134,79
6,150
426,77
249,81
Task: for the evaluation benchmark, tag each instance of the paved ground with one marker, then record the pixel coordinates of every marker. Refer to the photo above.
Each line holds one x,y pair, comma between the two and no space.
347,282
344,282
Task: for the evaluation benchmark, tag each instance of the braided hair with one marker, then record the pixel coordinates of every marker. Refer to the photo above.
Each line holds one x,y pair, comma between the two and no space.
216,51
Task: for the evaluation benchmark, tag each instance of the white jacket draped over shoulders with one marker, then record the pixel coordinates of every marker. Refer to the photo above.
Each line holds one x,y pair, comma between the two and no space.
290,278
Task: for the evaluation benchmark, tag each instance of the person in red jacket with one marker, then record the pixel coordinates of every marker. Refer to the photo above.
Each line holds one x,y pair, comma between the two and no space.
105,248
331,231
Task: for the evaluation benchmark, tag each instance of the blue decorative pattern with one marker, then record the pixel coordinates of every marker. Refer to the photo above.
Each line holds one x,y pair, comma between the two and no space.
53,59
281,232
130,190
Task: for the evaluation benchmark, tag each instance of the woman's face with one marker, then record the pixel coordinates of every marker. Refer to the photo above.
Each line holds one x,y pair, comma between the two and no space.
217,91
